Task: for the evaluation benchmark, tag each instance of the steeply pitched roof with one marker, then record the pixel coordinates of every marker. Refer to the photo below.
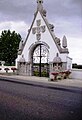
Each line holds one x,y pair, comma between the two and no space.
56,40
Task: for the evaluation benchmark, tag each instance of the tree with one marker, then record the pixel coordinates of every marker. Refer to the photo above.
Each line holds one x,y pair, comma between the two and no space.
9,43
76,66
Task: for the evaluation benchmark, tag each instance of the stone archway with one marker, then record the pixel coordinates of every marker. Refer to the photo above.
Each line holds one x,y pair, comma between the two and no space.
39,56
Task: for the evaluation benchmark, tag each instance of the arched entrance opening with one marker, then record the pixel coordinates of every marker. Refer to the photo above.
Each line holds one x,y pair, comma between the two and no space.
40,60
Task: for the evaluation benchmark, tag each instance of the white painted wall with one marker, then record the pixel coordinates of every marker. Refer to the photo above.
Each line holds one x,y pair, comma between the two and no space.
45,37
69,63
64,57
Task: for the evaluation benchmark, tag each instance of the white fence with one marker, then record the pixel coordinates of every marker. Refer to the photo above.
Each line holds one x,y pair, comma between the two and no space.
3,67
76,74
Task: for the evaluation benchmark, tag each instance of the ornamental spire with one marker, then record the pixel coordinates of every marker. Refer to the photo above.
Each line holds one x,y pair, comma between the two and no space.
64,42
39,5
40,1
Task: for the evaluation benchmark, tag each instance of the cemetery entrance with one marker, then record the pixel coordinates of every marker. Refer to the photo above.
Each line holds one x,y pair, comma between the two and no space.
40,65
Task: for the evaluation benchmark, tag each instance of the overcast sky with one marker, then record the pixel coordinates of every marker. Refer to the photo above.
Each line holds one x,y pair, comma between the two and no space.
66,15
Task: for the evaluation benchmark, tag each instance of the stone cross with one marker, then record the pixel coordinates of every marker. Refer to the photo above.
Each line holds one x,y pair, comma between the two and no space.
38,30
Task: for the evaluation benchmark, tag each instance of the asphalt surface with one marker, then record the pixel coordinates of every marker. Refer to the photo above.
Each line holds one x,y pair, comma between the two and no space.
31,101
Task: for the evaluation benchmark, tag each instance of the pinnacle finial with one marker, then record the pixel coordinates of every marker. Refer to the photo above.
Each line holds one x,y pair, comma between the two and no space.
64,42
39,5
40,1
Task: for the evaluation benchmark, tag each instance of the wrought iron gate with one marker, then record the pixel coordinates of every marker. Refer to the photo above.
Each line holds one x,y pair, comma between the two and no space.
40,61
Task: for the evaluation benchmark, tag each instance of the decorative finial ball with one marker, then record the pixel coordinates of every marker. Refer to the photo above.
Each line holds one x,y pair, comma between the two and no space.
39,1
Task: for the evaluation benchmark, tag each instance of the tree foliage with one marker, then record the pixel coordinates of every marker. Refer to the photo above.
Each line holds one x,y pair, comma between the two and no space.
9,42
76,66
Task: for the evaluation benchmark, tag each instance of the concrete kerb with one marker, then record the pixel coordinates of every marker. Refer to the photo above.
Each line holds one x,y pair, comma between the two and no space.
38,80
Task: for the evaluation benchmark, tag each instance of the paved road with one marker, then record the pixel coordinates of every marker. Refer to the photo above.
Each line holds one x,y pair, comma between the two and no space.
34,102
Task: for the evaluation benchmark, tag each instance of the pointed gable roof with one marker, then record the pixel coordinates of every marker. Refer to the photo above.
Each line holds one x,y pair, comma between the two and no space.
43,15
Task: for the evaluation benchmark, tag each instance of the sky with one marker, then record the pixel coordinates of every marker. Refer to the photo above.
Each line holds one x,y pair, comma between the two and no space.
65,15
